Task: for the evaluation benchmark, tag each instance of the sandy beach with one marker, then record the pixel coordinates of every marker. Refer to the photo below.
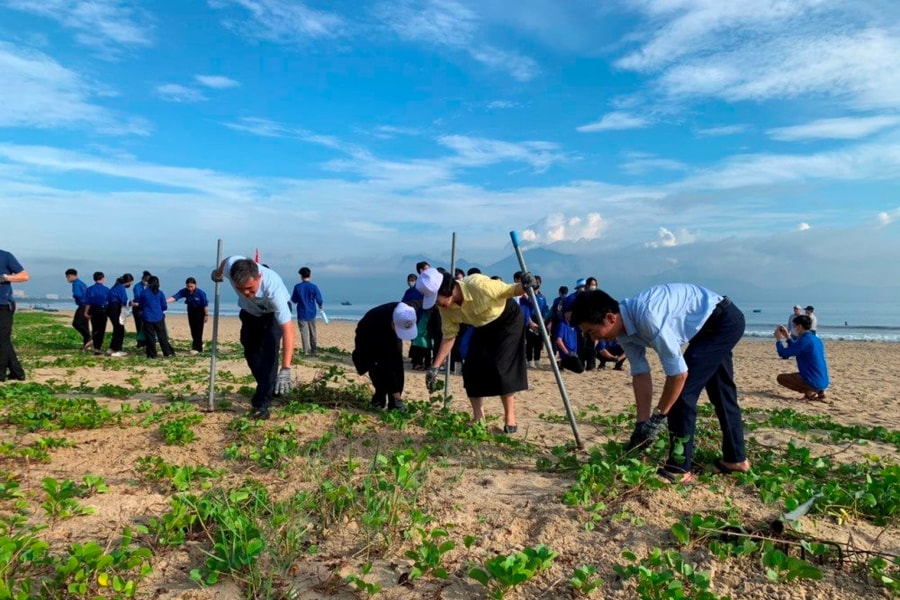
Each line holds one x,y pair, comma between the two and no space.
511,506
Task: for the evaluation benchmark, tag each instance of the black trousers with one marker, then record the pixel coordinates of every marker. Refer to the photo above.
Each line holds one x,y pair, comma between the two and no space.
154,331
9,362
195,321
98,325
586,352
137,315
113,311
261,338
533,344
81,325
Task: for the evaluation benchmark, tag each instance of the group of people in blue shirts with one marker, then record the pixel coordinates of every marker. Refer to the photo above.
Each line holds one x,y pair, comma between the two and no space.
96,304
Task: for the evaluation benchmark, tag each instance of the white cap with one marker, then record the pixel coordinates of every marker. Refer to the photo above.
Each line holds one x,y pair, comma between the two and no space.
405,321
428,283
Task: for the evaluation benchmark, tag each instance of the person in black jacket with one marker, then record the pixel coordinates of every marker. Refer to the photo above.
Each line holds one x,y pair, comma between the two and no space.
378,350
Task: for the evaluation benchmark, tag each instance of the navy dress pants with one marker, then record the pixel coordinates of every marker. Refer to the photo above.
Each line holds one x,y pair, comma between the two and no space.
710,366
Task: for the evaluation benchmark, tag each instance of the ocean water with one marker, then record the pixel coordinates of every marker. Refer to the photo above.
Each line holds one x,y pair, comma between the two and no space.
856,321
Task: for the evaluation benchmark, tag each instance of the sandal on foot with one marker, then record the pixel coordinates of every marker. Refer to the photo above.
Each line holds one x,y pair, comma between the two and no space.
675,478
720,468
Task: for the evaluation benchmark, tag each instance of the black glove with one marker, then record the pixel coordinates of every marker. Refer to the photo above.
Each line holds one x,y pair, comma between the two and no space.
431,376
638,440
653,426
528,281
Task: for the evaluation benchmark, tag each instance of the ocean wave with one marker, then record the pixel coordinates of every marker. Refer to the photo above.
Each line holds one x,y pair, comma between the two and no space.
858,334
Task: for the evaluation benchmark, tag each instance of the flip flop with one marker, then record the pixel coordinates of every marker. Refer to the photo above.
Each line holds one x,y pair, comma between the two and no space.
720,468
673,478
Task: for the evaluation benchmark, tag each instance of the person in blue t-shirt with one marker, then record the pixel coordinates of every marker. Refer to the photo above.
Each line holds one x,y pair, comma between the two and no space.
197,311
567,346
79,321
153,306
95,301
117,302
610,352
307,297
136,313
11,271
812,380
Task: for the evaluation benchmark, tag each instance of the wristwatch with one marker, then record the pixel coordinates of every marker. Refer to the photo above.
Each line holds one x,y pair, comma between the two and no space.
658,413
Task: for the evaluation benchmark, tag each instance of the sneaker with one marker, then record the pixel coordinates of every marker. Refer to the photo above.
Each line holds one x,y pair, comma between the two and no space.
119,354
87,346
510,429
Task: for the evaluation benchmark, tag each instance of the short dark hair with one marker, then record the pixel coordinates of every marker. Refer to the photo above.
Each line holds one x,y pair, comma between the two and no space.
190,280
803,321
563,289
592,307
305,272
243,270
125,278
71,272
517,276
153,283
412,276
421,266
447,283
473,271
591,280
459,272
98,275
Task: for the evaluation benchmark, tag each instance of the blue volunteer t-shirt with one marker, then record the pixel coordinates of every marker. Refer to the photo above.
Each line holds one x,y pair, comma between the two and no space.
8,266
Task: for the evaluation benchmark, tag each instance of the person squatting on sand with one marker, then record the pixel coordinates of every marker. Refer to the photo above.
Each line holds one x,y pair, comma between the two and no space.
495,361
11,271
378,350
664,318
801,342
265,323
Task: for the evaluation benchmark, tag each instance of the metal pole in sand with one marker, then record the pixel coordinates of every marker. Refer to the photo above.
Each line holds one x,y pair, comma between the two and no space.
548,346
449,363
215,335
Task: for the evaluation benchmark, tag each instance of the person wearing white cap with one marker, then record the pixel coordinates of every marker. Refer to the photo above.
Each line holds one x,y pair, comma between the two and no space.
495,361
790,322
378,350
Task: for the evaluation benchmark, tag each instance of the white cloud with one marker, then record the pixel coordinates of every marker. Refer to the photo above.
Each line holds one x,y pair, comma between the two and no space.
771,49
479,152
217,82
36,91
803,227
273,129
888,217
386,132
97,23
280,21
640,163
557,227
501,104
200,180
667,239
452,24
846,128
173,92
720,131
615,121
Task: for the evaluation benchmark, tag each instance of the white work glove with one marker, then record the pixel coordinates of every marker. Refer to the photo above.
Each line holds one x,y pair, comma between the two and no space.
431,377
283,383
216,276
3,278
528,280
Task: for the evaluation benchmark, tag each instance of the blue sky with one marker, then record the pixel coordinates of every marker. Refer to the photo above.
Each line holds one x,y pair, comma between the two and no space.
753,140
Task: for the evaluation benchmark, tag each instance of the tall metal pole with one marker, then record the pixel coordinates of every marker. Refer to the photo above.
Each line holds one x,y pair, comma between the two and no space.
547,344
215,336
450,358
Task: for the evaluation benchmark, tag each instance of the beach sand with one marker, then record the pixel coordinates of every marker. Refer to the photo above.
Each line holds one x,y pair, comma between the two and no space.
514,505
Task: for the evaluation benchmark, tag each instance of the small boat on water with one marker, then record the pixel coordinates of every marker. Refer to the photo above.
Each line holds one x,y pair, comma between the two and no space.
345,303
757,310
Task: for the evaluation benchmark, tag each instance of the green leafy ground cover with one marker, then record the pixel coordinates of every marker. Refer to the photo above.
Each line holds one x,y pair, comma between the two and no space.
136,491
